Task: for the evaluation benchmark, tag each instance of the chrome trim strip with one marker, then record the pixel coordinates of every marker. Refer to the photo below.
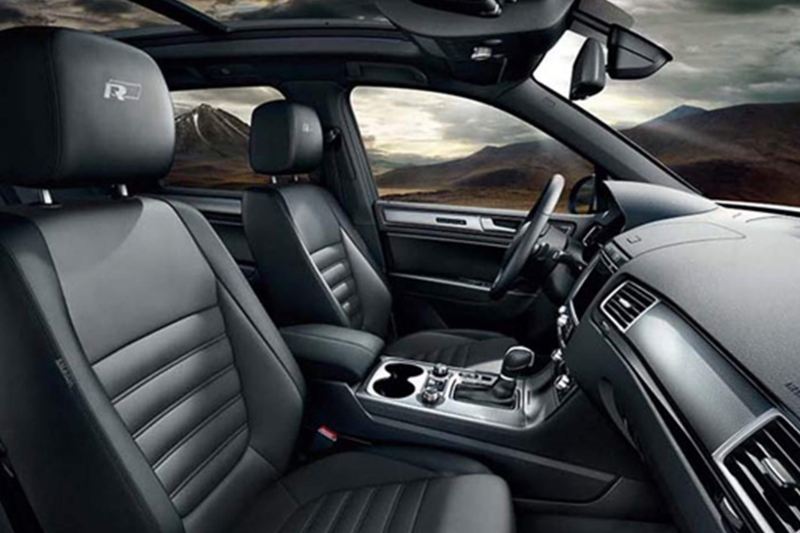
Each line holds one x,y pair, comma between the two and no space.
433,219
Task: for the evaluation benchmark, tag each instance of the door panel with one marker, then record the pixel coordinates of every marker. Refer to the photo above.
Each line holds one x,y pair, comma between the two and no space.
442,260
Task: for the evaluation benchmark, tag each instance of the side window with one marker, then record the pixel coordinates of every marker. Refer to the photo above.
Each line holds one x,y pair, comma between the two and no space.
438,148
212,132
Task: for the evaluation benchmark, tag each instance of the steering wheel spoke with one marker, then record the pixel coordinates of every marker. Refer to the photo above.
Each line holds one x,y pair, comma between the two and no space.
528,235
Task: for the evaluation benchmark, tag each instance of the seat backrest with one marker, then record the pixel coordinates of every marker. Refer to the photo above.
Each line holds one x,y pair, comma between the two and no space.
143,388
313,266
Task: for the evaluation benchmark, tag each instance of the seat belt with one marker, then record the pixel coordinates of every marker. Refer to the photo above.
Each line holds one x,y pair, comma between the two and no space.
13,500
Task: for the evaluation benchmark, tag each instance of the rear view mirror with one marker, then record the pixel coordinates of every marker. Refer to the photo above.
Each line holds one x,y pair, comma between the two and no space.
588,71
632,57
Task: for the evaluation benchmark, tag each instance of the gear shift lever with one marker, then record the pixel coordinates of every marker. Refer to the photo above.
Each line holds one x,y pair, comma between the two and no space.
517,362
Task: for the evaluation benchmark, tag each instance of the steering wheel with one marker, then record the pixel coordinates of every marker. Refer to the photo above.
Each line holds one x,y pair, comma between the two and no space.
527,237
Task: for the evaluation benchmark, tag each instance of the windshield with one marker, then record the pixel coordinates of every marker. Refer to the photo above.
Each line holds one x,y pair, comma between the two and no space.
725,114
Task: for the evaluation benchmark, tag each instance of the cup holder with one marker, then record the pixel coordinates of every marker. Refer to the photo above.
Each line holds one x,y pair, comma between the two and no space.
397,384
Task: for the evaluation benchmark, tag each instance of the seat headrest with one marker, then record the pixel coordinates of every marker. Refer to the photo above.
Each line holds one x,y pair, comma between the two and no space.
80,109
285,138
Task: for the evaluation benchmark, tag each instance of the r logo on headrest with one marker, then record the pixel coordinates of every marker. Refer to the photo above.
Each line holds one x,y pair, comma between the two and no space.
122,90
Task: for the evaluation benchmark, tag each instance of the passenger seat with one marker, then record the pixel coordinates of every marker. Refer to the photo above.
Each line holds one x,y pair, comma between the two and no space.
313,266
143,387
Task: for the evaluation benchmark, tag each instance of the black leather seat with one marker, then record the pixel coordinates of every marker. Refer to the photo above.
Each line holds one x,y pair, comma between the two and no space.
313,265
143,387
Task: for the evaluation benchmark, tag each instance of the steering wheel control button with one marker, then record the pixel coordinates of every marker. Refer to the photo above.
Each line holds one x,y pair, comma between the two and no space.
441,371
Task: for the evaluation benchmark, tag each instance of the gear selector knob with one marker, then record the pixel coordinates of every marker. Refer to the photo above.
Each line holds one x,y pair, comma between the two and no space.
518,361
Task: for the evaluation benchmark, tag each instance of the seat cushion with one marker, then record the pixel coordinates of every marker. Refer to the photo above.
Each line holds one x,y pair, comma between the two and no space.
385,490
463,348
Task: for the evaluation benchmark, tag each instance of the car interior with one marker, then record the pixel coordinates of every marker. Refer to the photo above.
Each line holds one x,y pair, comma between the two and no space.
255,320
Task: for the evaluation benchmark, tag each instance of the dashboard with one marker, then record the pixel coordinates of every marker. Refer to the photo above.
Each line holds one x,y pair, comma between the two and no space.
683,328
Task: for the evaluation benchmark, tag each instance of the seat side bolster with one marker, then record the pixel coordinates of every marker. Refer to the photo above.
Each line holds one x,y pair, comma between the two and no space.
235,284
291,285
51,405
376,299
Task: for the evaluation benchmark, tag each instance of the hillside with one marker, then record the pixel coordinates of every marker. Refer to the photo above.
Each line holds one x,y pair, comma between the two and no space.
730,153
211,148
748,152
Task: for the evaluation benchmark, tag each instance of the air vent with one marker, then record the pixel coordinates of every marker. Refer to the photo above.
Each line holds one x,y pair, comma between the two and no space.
764,469
627,304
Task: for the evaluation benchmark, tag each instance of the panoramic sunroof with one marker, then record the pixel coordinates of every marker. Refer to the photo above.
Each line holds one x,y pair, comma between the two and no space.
91,15
114,15
235,10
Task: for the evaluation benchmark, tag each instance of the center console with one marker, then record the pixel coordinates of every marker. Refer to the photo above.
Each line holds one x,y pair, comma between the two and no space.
402,385
449,397
527,422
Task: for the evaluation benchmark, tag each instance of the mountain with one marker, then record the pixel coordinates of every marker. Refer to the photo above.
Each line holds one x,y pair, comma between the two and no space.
209,131
744,152
682,111
747,151
211,149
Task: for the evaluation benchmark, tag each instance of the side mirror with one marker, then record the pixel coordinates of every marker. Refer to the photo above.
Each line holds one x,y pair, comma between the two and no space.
632,57
588,71
583,196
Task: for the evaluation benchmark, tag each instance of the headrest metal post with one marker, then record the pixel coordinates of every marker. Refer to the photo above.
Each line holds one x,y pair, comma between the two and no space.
121,190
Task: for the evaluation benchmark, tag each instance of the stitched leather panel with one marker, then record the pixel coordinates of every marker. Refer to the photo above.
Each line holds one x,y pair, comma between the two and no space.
179,394
334,267
388,508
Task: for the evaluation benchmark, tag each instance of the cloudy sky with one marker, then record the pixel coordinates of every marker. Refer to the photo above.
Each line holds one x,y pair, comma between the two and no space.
726,52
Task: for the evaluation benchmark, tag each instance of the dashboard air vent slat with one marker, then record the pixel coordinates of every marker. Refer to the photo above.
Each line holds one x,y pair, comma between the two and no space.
765,470
627,304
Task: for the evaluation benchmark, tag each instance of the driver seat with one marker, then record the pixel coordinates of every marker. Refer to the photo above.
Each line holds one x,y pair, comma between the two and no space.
313,266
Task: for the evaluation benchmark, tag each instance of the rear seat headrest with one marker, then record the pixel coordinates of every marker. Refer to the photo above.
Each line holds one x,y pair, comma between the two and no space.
285,138
80,109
